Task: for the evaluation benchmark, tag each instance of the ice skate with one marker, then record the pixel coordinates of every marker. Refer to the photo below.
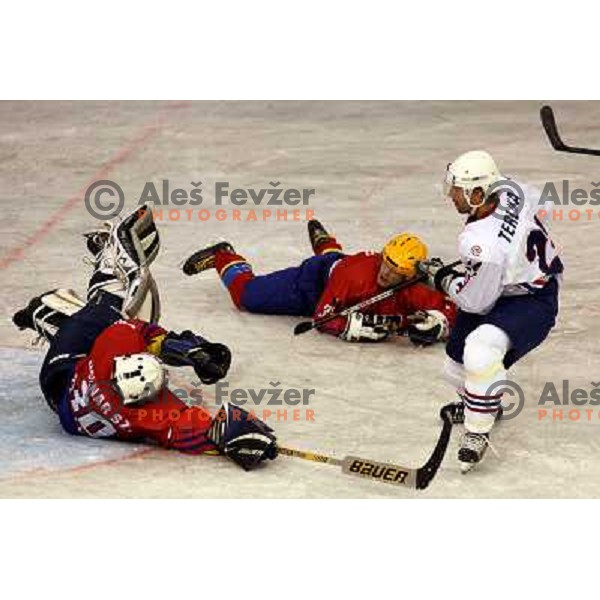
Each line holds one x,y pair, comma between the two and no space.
472,450
318,235
204,259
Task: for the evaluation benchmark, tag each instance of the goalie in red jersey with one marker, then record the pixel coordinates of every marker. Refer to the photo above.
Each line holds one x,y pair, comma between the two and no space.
105,371
330,281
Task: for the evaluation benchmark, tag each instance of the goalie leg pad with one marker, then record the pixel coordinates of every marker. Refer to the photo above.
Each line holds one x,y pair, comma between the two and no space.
65,301
122,266
45,314
136,238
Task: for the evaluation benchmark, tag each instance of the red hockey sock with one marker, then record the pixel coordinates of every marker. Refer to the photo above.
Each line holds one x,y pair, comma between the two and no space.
329,245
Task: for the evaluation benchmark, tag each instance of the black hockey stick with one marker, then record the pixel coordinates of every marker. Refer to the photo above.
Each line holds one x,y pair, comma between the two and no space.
549,123
386,472
305,326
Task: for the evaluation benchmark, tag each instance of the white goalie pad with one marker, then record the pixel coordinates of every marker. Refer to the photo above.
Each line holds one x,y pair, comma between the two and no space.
135,239
144,303
64,301
122,266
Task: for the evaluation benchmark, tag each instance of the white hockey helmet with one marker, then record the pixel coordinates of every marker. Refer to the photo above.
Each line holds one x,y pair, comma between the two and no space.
471,170
138,376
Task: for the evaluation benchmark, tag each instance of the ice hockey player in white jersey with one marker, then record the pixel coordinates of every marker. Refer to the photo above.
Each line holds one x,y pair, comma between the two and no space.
506,292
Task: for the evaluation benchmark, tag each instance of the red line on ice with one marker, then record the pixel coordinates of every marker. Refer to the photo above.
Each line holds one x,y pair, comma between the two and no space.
45,228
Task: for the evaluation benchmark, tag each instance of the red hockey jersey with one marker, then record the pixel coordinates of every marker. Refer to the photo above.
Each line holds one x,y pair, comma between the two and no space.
98,409
354,279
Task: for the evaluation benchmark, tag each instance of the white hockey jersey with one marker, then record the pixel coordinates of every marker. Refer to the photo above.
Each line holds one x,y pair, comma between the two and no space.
507,253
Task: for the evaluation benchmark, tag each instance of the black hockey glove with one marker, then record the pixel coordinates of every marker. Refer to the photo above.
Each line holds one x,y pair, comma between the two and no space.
243,438
439,275
210,361
428,327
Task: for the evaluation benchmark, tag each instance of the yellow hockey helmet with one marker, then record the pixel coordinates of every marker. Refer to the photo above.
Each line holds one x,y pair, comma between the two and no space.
402,253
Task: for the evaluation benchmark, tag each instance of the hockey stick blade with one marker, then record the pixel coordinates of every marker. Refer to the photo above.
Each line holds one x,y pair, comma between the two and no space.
551,129
384,472
549,123
303,327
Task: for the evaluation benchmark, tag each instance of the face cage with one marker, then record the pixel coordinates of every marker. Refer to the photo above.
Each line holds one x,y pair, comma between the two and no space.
145,396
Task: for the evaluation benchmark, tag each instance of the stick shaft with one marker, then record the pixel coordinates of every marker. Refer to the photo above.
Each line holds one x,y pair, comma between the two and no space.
309,325
360,467
307,455
385,472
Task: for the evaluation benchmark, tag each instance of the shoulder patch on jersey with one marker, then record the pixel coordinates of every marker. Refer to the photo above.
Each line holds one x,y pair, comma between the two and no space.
478,242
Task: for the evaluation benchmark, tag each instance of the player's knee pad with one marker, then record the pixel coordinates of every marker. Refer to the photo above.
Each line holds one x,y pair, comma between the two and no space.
454,373
484,352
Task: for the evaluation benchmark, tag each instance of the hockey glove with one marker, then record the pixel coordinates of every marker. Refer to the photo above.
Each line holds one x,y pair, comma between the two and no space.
430,326
243,438
210,361
440,276
364,327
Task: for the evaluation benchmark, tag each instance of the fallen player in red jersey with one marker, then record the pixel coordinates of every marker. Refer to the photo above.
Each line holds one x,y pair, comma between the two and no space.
330,281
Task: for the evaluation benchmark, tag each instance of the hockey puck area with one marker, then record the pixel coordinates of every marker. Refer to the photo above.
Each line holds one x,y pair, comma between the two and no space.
32,441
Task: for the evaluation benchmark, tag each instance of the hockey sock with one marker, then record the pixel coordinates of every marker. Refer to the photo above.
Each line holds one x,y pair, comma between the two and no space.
235,273
328,245
483,357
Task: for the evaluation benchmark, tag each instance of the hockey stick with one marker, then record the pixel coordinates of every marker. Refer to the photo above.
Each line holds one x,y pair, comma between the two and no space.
549,123
386,472
305,326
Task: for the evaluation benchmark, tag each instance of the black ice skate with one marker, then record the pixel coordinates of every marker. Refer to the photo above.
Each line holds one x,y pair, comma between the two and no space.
96,240
472,450
318,234
39,317
205,259
24,318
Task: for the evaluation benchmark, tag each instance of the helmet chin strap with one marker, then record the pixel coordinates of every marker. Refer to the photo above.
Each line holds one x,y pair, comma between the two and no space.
474,208
468,195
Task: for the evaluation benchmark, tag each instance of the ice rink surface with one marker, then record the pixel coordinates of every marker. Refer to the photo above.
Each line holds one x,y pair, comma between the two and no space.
376,169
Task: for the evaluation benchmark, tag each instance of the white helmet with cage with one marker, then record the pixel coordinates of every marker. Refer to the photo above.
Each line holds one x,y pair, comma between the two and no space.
139,376
472,170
